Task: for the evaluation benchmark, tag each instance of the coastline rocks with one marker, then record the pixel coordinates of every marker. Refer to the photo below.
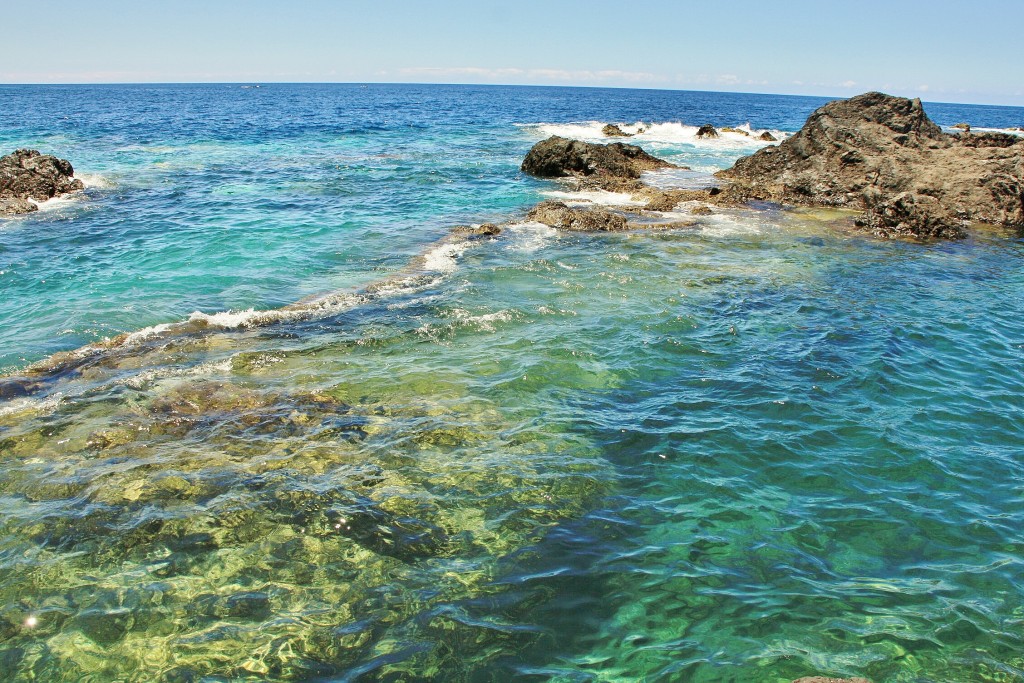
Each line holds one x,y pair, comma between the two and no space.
559,157
884,156
610,130
739,131
559,215
826,679
28,175
767,137
707,131
965,127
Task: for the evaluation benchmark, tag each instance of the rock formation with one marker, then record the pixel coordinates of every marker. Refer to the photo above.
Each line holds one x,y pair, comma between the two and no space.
826,679
26,177
559,157
767,137
707,131
559,215
884,156
612,131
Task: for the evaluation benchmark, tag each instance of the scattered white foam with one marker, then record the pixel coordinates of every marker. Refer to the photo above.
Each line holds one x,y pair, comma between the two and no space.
228,320
443,258
729,225
666,133
484,322
680,179
29,404
57,203
529,237
95,180
602,197
142,379
147,333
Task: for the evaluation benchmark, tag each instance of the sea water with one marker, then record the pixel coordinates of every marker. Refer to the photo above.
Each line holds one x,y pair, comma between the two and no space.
338,447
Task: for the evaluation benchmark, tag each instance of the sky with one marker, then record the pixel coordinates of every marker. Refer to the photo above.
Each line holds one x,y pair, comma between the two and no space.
938,50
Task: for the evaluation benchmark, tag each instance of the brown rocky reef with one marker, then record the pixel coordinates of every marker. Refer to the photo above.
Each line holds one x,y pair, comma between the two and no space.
26,177
884,156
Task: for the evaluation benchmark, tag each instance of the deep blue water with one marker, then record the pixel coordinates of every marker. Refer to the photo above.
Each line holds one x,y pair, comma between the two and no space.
755,449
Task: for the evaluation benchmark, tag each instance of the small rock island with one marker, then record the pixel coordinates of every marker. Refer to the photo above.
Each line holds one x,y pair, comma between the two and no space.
28,177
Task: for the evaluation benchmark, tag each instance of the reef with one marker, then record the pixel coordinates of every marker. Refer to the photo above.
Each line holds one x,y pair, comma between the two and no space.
883,156
28,177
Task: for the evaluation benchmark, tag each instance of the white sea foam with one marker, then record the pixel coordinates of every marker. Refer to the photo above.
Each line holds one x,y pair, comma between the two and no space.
29,404
140,380
443,258
95,180
146,333
529,237
666,133
602,197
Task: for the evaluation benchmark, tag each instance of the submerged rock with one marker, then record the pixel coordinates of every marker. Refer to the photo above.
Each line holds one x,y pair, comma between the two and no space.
28,175
884,156
476,231
559,215
826,679
559,157
610,130
707,131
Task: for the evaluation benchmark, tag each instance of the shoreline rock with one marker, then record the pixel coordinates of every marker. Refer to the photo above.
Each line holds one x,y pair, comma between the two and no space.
27,176
882,155
611,130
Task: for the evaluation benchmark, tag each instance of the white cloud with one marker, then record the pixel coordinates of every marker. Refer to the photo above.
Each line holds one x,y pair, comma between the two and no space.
848,84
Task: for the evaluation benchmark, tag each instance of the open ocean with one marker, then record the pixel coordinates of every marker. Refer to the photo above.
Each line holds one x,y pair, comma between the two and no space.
335,448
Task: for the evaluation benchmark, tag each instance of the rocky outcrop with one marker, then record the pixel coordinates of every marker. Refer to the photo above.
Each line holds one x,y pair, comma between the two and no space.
826,679
767,137
707,131
884,156
610,130
26,177
564,217
559,157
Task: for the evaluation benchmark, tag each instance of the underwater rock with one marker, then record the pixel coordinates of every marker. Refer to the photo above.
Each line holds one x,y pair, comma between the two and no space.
707,131
559,157
28,175
826,679
884,156
105,627
610,130
559,215
701,210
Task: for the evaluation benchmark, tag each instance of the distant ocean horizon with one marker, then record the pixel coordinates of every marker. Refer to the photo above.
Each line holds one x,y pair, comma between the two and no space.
333,444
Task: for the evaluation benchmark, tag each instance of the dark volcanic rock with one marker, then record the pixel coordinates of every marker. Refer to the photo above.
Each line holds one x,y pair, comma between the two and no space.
707,131
612,131
559,157
883,155
26,174
767,137
558,215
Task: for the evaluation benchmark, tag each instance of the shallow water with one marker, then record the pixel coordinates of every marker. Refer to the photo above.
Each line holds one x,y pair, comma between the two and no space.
759,448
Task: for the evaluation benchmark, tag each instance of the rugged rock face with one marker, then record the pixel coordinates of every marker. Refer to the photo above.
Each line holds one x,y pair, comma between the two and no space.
26,174
884,156
559,157
612,131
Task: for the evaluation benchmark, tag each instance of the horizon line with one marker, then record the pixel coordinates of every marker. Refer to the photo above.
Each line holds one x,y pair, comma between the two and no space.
486,85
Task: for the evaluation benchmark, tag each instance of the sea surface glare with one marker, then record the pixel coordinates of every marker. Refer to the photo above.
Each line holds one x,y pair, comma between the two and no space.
758,448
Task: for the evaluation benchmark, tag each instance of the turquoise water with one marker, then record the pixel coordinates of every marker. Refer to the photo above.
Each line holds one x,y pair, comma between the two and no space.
756,449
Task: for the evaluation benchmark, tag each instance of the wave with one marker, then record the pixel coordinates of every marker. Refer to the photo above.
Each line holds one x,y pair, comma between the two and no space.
670,133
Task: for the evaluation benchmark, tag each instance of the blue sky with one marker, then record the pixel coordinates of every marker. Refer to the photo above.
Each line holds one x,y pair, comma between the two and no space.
940,51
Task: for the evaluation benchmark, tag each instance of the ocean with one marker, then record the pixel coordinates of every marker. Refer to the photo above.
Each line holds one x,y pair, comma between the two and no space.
332,445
